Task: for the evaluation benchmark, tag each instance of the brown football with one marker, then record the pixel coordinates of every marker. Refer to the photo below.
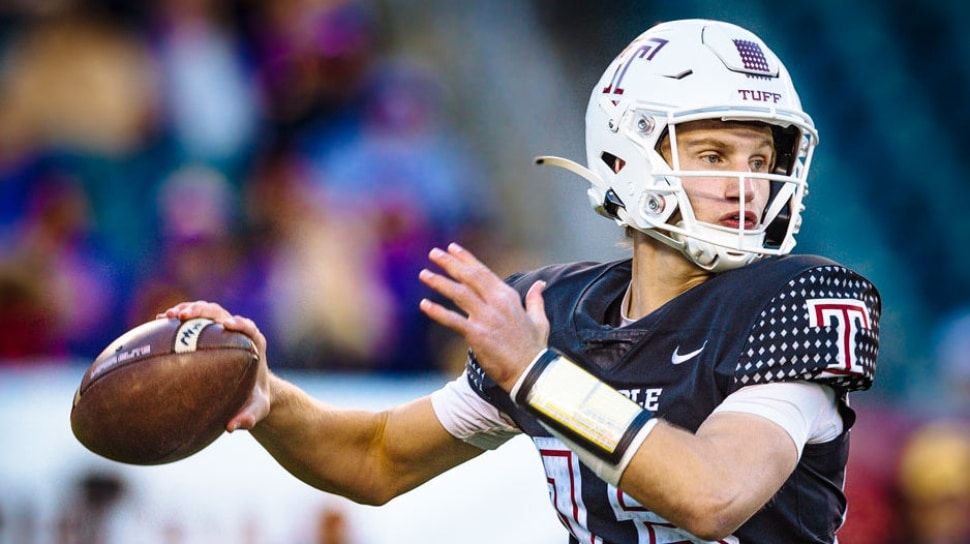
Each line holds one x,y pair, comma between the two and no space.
163,391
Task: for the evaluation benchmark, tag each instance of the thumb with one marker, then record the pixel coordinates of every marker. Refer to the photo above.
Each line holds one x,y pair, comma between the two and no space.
250,413
244,420
535,306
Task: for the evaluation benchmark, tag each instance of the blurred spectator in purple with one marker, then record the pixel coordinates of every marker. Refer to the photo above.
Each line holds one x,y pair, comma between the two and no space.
406,161
201,252
312,59
328,307
411,179
57,276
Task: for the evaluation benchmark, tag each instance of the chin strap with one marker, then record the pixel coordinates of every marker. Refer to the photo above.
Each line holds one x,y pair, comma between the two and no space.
603,199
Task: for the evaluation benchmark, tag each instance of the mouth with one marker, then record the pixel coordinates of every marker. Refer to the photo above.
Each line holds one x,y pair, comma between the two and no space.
734,220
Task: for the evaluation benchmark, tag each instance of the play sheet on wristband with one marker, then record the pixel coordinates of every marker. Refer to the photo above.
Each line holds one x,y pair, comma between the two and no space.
581,403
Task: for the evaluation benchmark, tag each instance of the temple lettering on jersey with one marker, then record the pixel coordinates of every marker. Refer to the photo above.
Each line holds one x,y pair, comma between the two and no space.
647,398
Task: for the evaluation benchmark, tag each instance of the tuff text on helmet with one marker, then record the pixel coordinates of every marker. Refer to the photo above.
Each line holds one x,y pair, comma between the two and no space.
759,96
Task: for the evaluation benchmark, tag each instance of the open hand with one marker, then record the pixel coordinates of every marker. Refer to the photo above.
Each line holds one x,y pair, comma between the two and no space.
504,335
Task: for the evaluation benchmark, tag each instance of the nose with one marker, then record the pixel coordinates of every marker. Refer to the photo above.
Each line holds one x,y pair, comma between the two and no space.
739,188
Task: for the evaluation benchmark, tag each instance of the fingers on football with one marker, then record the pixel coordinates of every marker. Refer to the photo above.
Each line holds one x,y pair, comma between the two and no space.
194,309
172,312
248,327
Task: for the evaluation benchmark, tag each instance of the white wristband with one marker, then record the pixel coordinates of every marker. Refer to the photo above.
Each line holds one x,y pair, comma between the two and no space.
609,472
598,422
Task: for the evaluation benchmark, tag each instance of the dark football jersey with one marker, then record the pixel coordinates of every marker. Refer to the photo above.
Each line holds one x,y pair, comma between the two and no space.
780,319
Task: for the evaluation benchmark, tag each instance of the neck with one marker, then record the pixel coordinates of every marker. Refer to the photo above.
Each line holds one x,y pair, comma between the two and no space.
660,274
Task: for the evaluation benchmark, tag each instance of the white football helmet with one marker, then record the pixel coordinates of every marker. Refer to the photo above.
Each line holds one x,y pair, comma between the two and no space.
685,71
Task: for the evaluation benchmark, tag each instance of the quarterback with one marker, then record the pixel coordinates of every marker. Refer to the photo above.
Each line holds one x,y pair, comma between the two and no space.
695,392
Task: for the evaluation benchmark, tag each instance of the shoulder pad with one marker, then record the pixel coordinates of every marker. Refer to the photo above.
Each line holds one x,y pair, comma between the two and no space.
822,326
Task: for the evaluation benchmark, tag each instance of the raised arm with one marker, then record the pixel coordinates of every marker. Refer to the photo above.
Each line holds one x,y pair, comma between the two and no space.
708,483
369,457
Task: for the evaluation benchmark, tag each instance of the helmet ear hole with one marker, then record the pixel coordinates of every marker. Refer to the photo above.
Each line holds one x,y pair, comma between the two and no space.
614,163
663,145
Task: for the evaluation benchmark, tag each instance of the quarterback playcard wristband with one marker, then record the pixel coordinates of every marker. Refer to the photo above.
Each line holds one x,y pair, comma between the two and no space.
596,421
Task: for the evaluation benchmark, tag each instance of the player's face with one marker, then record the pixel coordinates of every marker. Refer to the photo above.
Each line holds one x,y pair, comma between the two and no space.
712,145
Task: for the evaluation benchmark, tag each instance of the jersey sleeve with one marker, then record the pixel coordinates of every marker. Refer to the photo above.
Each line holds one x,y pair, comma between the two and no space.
822,326
467,416
806,411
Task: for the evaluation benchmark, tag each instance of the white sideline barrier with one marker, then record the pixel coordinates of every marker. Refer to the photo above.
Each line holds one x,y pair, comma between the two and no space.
233,491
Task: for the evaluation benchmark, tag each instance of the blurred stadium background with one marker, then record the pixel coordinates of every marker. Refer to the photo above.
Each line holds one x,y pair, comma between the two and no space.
295,159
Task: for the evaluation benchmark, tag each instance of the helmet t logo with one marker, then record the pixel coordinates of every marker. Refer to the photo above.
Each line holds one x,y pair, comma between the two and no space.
639,49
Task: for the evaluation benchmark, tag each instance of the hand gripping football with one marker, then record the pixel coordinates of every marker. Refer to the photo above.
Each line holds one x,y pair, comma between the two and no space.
163,391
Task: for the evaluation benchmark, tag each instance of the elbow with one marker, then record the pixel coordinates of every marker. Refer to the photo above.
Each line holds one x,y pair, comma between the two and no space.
712,528
375,487
367,490
373,494
711,520
370,499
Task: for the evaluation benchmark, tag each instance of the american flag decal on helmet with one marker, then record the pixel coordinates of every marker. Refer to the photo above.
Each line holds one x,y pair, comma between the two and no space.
752,56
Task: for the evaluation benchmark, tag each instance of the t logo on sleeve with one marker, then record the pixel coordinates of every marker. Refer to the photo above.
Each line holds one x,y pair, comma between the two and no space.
847,317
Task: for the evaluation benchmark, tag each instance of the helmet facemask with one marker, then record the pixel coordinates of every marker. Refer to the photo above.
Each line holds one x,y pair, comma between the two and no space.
658,204
688,71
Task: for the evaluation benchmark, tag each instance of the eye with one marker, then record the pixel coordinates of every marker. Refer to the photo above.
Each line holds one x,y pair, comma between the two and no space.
758,164
710,158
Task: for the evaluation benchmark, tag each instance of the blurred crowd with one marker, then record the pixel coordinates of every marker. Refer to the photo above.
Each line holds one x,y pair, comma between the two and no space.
274,157
101,506
908,481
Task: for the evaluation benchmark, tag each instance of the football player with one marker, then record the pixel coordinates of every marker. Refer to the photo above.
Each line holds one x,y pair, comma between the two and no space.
696,392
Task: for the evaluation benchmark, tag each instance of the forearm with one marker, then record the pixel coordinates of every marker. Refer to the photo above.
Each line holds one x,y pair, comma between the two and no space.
319,444
712,481
368,457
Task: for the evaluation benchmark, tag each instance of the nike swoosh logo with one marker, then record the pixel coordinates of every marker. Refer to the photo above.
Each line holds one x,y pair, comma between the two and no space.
679,358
